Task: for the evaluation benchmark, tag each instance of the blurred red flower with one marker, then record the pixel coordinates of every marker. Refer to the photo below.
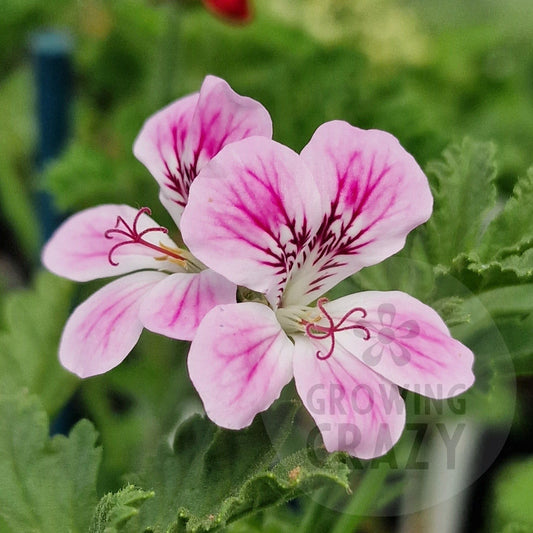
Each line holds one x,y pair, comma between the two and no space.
234,10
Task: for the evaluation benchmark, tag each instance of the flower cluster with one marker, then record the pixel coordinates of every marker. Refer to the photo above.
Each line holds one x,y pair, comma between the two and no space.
268,232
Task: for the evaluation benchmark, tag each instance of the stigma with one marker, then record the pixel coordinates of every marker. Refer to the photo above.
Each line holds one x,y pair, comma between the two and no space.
128,234
314,329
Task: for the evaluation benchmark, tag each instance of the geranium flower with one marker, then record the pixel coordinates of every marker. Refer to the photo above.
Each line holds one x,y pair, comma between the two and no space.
167,290
234,10
290,227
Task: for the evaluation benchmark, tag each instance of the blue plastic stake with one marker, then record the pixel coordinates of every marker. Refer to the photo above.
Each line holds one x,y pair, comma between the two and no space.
51,52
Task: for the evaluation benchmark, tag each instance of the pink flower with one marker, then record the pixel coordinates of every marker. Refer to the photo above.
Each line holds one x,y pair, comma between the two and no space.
166,290
290,227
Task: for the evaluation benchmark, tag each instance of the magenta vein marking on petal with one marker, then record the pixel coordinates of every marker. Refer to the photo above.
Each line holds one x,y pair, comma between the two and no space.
111,327
432,361
179,306
130,296
370,188
325,378
230,127
253,370
279,204
178,180
328,242
285,253
203,136
339,245
376,412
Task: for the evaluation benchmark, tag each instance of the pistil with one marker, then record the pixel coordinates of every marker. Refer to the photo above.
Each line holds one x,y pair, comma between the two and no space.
318,331
133,236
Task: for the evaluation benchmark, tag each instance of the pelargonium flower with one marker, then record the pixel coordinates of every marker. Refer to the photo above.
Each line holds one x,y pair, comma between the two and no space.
166,289
290,227
234,10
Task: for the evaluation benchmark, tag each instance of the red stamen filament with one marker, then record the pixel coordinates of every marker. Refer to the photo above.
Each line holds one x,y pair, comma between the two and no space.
134,237
316,331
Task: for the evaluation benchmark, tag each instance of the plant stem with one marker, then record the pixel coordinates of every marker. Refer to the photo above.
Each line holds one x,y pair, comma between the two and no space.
310,517
362,500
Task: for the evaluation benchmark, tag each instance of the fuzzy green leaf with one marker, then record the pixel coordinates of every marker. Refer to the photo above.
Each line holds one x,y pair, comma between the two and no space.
511,232
505,255
199,486
501,325
409,271
499,334
116,508
110,175
451,310
34,321
464,192
63,177
46,484
478,275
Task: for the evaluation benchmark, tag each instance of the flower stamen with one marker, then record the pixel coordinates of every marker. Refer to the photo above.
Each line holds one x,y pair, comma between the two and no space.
317,331
133,236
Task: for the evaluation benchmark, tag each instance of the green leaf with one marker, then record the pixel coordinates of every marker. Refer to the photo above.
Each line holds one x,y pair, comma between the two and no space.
34,321
62,176
478,275
500,327
116,508
46,484
499,334
464,192
451,310
408,271
210,476
512,510
511,232
505,255
111,174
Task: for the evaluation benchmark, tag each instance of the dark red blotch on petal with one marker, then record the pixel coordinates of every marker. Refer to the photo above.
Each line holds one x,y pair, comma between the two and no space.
235,10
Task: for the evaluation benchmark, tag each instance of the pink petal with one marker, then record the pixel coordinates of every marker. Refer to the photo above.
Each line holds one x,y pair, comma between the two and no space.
356,410
250,212
102,331
79,249
222,117
175,307
160,146
239,361
409,343
176,142
376,194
